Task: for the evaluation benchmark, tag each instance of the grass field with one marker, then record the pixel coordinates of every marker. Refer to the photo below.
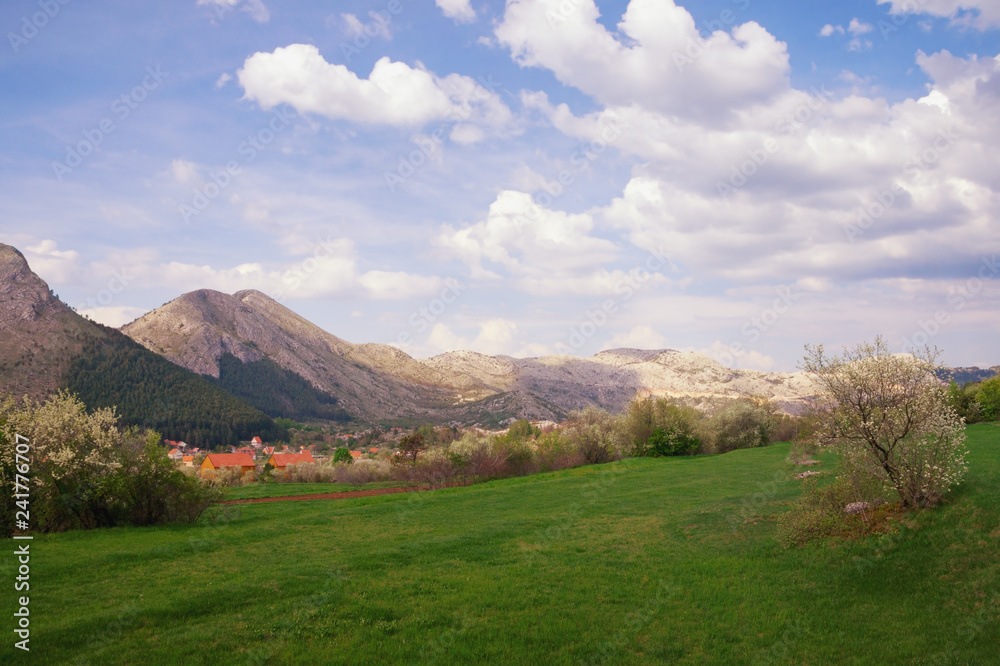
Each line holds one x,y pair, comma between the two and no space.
645,561
257,490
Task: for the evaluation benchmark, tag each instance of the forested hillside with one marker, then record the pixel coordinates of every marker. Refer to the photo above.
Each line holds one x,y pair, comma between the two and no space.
275,391
150,391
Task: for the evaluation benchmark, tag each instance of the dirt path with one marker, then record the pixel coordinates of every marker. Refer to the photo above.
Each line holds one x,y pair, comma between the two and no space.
346,494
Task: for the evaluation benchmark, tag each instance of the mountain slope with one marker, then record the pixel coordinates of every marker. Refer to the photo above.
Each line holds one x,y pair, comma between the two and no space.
612,378
45,346
374,381
39,334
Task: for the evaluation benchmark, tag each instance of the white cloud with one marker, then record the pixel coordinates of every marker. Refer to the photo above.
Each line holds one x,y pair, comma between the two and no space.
376,26
223,79
459,10
113,315
545,251
981,14
640,337
55,266
258,12
658,59
184,171
744,360
857,27
496,336
393,94
828,30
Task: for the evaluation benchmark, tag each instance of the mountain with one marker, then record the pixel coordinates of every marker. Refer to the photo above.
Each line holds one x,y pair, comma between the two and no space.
963,376
201,329
45,347
610,379
39,334
376,382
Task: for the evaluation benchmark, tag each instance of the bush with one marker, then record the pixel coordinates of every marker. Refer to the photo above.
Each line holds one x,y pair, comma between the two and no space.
988,399
87,473
743,423
362,472
679,427
670,443
891,420
343,455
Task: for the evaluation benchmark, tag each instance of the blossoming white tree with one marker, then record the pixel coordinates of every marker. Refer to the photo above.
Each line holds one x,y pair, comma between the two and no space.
889,415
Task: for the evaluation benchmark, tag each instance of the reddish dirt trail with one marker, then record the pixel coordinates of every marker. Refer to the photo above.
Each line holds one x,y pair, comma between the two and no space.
346,494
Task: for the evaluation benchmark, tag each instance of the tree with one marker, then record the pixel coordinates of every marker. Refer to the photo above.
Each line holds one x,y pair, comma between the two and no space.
988,399
744,423
411,445
889,415
342,454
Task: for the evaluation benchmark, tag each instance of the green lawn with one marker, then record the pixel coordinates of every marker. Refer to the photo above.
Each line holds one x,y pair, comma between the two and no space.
256,490
646,561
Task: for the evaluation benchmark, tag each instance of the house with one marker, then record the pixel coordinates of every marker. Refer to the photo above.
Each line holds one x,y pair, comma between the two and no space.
374,449
356,454
256,442
281,461
268,450
247,450
188,461
214,461
175,455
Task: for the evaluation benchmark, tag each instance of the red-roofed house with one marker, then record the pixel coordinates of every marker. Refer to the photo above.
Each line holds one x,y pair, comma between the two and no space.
214,461
374,449
247,450
188,461
356,454
256,442
175,454
281,461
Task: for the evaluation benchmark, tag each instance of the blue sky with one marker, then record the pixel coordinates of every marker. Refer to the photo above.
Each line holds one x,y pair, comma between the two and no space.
390,170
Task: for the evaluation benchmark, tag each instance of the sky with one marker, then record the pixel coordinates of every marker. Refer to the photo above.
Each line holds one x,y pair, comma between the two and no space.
734,177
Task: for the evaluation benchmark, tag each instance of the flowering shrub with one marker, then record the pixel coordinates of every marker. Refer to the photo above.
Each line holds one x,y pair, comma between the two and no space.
890,417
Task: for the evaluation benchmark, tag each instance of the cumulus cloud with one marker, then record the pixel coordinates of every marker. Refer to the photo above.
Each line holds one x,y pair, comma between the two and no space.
829,29
544,250
258,12
393,94
459,10
658,59
981,14
640,337
811,205
330,271
54,265
495,336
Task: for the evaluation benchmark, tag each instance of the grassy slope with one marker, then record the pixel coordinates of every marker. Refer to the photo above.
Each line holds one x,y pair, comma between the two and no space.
634,564
257,490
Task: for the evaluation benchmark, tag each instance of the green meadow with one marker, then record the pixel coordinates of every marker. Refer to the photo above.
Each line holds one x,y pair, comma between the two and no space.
645,561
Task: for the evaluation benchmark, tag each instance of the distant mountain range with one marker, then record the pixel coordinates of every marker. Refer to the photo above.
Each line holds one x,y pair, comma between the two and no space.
265,358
